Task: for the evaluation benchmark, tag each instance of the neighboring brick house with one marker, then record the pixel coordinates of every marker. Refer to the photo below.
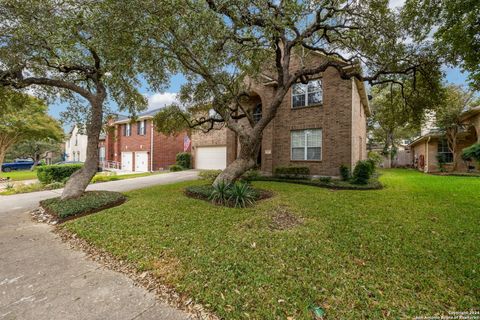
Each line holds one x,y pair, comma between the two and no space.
425,149
137,146
321,125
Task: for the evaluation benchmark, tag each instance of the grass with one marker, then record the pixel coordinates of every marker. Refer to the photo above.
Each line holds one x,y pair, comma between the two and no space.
409,249
89,202
102,177
19,175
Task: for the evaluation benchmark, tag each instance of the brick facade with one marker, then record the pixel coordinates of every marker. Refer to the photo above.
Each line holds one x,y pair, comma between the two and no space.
341,117
163,148
212,138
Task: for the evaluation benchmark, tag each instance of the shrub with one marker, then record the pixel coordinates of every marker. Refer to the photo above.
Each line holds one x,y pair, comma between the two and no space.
251,175
441,159
220,193
241,195
344,172
362,172
372,165
292,171
54,185
175,167
184,159
105,178
375,157
472,152
209,175
56,173
325,179
89,202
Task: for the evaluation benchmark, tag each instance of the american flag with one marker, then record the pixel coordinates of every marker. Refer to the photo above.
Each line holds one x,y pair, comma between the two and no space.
186,143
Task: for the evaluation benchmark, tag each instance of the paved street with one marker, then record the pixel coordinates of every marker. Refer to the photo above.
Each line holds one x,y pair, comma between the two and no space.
42,278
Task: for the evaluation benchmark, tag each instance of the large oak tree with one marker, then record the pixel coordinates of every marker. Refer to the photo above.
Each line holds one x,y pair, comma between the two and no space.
223,47
83,52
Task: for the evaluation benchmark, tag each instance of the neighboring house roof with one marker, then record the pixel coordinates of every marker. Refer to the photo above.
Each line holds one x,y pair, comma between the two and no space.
149,114
470,113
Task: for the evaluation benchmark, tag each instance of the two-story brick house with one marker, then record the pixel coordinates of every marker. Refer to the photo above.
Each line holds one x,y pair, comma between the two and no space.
137,146
321,125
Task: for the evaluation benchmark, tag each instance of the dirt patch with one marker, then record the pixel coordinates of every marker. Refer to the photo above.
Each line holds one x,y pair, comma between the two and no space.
150,280
282,219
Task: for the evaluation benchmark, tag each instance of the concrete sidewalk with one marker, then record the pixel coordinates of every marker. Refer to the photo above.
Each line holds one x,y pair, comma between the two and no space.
42,278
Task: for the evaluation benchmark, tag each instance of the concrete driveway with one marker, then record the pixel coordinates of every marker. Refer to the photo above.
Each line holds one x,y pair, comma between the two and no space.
42,278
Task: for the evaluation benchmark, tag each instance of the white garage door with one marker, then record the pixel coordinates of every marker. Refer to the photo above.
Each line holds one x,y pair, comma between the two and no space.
127,162
211,158
141,161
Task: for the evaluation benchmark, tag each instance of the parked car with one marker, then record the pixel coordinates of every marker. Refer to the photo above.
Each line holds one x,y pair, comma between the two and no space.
18,164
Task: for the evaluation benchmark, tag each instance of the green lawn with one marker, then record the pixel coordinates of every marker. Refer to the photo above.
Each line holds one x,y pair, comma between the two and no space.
19,175
410,249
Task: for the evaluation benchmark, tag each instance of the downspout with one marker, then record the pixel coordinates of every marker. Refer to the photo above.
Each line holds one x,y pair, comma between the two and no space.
426,155
151,148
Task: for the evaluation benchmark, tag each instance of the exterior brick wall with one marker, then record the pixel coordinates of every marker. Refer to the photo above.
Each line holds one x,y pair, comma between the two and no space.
341,117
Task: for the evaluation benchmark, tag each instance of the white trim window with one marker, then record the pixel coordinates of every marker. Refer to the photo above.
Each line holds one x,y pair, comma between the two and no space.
306,144
127,129
304,95
141,128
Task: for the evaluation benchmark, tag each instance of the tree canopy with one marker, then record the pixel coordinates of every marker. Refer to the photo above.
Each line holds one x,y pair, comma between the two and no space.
455,26
28,120
271,43
84,52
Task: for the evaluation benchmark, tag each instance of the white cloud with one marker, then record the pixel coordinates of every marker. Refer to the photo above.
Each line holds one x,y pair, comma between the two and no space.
159,100
396,3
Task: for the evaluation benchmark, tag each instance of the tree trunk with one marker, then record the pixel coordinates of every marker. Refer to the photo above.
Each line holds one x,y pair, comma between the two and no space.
36,160
2,156
246,160
79,181
452,145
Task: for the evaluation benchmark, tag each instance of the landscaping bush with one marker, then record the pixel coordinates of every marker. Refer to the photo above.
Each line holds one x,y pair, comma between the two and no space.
375,157
184,159
220,193
344,172
292,171
362,172
472,152
56,173
105,178
89,202
175,167
241,195
251,175
325,179
372,165
209,175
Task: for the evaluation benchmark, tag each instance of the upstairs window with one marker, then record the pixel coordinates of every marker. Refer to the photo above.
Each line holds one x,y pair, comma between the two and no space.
127,129
310,94
141,128
306,144
444,152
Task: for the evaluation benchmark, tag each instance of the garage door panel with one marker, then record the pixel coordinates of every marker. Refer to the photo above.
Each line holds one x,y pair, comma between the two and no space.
211,158
127,161
141,161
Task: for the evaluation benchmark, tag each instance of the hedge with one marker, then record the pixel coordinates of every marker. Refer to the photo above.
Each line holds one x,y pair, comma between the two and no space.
175,167
292,171
89,202
56,173
183,159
